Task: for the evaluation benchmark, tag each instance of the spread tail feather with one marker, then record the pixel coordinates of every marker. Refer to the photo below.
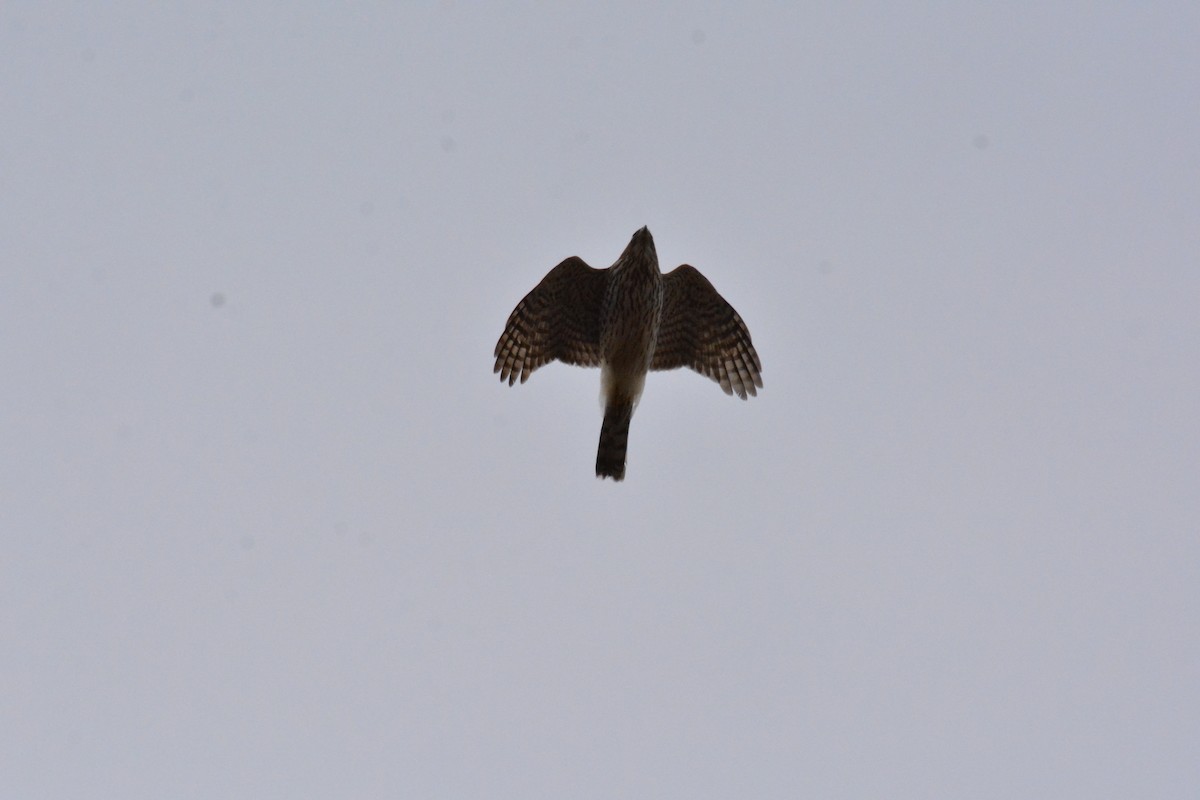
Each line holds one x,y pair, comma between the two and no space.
614,438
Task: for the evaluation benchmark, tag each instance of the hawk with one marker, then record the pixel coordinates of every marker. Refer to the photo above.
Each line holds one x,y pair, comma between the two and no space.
627,320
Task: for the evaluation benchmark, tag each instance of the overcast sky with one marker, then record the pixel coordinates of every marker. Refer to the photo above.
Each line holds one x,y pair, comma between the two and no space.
271,527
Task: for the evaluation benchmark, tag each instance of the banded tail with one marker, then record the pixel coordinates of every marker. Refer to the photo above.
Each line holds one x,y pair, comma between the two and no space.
614,439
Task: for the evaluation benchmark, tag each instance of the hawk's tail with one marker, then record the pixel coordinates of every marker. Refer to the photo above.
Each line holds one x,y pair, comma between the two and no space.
614,438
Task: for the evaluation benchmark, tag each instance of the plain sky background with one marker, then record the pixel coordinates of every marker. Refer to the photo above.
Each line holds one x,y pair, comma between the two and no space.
271,527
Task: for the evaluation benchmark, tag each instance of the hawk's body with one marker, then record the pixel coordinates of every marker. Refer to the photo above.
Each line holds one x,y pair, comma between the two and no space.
628,320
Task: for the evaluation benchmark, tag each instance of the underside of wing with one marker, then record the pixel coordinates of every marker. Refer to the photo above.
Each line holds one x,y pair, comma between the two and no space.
559,319
701,331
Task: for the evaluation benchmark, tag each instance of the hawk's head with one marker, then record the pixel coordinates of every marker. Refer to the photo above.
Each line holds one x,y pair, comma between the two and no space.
640,249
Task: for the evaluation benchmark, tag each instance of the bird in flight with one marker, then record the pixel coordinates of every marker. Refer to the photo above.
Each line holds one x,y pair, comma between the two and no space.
627,320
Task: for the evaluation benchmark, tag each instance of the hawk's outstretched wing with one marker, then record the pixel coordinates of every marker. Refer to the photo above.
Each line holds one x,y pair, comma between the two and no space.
559,319
700,330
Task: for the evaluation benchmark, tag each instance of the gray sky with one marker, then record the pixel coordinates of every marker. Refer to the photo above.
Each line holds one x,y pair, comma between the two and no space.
272,528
